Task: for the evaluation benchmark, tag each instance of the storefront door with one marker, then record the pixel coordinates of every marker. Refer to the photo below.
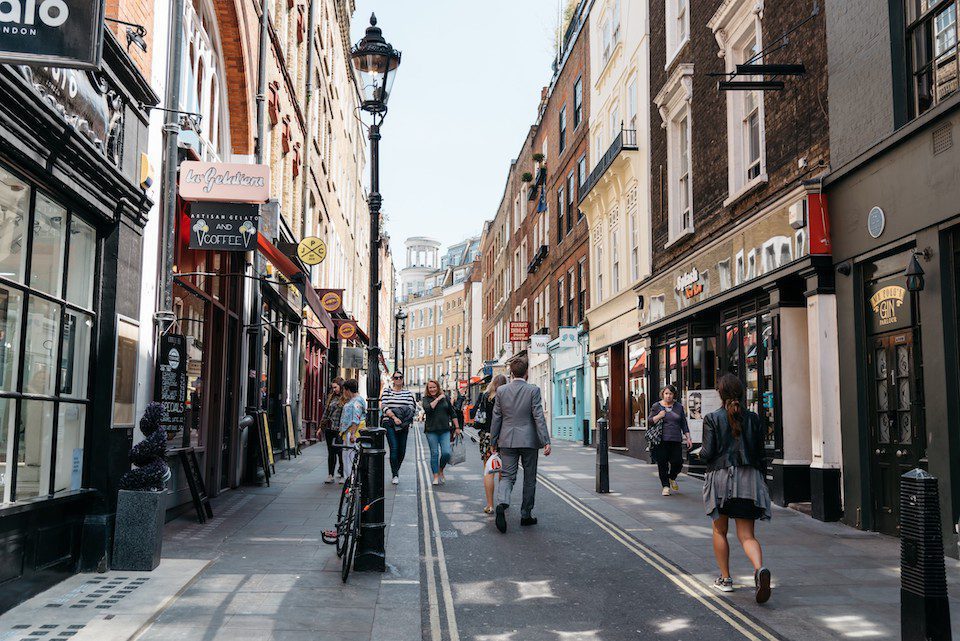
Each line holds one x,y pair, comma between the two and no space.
896,439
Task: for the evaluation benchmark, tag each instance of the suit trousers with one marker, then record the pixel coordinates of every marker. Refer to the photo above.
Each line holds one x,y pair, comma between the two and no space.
512,458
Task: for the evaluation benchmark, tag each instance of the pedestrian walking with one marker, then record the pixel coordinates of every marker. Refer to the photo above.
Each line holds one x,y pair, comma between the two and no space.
331,427
673,432
398,406
518,432
482,415
439,421
734,486
352,420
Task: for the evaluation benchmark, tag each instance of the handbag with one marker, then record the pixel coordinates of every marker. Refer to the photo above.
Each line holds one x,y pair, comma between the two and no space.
458,451
493,465
655,434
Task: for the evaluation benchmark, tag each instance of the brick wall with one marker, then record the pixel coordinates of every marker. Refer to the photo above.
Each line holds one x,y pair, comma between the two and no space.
138,12
795,121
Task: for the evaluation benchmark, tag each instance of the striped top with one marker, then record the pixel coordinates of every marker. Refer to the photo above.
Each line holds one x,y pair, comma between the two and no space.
392,400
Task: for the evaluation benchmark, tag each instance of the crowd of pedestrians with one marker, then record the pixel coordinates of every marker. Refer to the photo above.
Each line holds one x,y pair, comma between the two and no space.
512,430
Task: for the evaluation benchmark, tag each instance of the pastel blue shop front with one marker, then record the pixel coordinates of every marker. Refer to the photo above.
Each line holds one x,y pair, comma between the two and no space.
571,411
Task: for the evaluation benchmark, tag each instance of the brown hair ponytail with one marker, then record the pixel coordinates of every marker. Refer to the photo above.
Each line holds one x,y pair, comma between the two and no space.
731,391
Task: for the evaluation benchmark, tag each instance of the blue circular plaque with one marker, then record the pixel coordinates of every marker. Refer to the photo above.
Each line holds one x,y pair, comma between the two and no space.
876,221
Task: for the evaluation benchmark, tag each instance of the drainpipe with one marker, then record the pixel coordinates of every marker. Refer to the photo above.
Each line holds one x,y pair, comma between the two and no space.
171,131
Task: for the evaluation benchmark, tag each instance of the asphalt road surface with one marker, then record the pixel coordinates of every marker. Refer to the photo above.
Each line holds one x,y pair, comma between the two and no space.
575,576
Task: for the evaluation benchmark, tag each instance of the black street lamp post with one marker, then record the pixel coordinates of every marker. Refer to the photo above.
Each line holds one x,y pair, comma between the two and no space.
398,322
376,62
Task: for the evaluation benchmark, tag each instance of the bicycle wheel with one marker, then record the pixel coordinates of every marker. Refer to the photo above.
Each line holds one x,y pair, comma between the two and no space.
352,532
345,492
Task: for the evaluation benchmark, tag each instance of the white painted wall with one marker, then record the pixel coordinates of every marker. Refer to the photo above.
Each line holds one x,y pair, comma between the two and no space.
795,386
824,380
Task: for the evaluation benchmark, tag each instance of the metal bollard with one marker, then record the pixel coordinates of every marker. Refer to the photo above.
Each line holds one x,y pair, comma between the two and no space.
924,608
603,461
371,555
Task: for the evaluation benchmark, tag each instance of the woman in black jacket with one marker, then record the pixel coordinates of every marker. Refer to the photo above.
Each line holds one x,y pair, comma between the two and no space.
439,420
734,486
482,418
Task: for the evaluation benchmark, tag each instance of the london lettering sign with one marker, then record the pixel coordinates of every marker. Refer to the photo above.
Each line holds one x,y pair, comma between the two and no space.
224,182
61,33
223,226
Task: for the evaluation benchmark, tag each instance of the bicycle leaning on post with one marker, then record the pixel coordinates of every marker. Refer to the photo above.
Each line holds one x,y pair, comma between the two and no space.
347,530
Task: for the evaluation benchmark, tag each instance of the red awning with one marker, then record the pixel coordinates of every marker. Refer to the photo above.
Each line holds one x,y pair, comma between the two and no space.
286,266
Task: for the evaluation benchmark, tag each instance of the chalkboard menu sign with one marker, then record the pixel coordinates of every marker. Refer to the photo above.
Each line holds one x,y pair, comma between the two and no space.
171,381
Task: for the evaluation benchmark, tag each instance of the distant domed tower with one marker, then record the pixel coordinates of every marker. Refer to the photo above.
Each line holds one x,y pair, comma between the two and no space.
423,259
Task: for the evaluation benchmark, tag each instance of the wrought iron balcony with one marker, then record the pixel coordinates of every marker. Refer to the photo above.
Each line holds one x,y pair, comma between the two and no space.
626,140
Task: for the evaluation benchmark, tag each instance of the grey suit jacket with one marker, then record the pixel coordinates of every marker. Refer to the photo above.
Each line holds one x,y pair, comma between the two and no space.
518,419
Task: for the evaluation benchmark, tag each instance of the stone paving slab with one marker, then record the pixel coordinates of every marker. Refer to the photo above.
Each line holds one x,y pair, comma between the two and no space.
831,581
111,606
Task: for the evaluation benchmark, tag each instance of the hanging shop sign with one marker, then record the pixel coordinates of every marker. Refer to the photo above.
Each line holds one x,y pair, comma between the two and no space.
224,182
347,330
567,338
519,331
65,33
353,358
538,343
223,226
888,305
312,250
331,300
170,382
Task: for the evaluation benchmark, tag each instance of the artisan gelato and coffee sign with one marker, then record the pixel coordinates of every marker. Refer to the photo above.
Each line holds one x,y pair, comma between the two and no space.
223,226
64,33
224,182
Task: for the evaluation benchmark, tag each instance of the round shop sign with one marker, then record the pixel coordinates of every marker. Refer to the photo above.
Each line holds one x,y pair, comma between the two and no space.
173,358
876,221
330,301
312,250
347,331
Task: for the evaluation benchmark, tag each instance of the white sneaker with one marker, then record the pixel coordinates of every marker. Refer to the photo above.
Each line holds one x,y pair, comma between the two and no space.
329,478
666,491
396,480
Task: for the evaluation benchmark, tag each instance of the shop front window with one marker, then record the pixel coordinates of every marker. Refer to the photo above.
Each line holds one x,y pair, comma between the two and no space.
603,385
46,333
191,311
637,376
751,365
732,337
766,363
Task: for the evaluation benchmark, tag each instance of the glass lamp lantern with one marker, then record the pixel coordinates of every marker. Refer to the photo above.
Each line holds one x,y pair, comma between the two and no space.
376,62
914,274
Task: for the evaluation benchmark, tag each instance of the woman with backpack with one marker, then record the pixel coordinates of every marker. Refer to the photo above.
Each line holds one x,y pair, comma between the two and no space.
666,432
734,485
482,417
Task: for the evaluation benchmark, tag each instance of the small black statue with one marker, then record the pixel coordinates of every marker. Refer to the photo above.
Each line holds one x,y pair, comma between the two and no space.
149,455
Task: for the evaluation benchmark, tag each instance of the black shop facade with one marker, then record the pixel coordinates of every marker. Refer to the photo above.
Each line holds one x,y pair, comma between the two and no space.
73,205
748,303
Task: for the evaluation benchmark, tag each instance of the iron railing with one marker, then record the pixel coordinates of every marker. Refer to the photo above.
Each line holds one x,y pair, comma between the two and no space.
626,140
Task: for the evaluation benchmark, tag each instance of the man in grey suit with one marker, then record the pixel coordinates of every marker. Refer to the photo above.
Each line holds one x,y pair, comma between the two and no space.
518,431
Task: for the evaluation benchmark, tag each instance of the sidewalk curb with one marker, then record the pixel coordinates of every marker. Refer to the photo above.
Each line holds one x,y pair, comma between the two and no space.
168,602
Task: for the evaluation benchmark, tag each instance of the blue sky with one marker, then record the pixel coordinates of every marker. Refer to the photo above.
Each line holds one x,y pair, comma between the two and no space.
466,91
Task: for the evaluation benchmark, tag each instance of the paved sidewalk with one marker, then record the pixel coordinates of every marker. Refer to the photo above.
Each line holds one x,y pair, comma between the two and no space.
830,581
257,570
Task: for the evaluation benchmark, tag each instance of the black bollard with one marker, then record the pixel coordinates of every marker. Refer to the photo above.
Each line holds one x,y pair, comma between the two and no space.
371,555
924,608
603,461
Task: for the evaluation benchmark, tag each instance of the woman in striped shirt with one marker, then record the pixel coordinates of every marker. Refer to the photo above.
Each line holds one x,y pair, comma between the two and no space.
397,407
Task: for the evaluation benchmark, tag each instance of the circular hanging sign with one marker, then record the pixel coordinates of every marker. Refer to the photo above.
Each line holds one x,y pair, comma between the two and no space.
876,221
312,250
347,331
331,301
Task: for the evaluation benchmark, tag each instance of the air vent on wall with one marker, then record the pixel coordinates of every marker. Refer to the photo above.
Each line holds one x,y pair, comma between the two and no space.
942,138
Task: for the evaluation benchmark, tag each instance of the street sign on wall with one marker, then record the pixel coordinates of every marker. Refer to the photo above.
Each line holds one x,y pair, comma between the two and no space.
223,182
61,33
519,331
223,226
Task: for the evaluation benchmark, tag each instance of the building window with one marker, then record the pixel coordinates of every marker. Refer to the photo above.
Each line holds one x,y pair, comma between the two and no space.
581,179
571,297
632,104
46,306
581,289
577,102
560,203
932,51
598,295
563,129
570,204
673,102
560,300
678,28
634,222
615,254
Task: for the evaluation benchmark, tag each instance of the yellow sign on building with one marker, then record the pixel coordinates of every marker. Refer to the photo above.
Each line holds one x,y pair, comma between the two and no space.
312,250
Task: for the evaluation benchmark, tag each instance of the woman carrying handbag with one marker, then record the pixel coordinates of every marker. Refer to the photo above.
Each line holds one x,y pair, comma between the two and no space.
482,417
439,421
668,430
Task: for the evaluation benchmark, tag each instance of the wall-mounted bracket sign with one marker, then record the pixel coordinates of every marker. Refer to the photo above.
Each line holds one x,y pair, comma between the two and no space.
312,250
60,33
223,226
331,300
223,182
519,331
346,330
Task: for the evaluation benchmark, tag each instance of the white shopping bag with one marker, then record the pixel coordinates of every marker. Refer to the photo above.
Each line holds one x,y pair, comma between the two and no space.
493,465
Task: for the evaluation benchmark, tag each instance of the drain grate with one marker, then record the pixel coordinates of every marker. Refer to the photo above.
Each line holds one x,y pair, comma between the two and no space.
100,593
942,138
45,631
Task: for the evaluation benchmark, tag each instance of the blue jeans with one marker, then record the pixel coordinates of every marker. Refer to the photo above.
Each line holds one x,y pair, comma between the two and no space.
397,438
439,449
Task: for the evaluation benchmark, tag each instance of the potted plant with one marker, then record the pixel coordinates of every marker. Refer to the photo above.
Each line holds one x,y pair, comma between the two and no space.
538,157
526,177
138,536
